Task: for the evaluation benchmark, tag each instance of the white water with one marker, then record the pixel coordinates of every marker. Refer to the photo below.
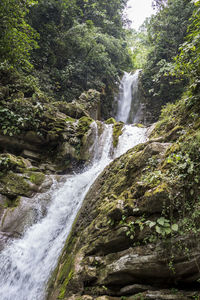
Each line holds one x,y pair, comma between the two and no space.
128,104
131,136
26,264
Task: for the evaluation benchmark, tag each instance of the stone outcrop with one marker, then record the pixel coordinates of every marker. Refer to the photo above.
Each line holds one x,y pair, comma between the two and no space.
129,240
61,143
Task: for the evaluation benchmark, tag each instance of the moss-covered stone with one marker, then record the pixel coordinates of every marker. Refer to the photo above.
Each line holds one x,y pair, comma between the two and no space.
90,101
139,125
69,119
110,121
11,162
155,200
36,177
117,131
12,185
73,110
84,125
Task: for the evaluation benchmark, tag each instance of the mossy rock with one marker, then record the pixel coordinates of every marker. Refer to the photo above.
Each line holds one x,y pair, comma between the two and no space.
11,162
139,125
117,131
155,200
73,110
84,125
12,185
110,121
36,177
70,119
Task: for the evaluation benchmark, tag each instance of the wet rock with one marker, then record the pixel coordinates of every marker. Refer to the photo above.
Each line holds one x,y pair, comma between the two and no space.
32,155
15,219
134,289
45,186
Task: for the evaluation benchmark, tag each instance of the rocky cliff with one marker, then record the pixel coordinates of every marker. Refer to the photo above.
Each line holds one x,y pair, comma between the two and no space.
38,137
137,234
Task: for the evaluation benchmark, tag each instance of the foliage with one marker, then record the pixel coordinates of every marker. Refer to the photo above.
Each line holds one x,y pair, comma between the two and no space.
139,47
21,117
188,60
17,37
159,4
81,45
165,38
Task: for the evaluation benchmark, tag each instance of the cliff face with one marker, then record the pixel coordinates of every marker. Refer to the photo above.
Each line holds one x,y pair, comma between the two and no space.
137,234
38,138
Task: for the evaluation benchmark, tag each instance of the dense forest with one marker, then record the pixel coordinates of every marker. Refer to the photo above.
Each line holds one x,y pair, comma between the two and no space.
66,47
136,235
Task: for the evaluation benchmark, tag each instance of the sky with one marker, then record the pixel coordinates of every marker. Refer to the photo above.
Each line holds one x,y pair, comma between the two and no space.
138,10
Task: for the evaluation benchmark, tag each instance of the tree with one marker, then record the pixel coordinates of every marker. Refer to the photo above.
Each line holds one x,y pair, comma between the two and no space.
81,45
188,59
166,32
159,4
17,37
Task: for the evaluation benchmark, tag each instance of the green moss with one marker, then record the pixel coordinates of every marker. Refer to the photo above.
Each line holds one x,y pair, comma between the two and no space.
117,131
65,269
139,125
13,185
11,162
158,190
64,285
84,125
69,119
37,177
110,121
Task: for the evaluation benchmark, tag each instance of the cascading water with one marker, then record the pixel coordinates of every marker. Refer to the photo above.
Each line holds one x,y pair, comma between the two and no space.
128,102
26,264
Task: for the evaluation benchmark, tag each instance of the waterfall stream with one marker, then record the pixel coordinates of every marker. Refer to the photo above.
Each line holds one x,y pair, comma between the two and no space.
128,102
26,263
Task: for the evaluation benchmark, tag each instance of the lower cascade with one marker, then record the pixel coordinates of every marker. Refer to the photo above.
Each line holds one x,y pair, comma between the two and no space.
27,263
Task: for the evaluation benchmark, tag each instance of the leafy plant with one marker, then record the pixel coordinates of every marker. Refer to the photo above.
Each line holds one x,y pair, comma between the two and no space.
17,37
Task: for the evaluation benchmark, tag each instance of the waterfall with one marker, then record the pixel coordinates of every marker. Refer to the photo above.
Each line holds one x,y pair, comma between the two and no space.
26,264
128,102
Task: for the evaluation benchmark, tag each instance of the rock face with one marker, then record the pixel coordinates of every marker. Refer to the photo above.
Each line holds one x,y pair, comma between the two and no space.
129,240
61,143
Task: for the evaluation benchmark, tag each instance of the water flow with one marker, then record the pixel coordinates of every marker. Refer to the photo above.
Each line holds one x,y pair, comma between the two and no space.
26,264
128,102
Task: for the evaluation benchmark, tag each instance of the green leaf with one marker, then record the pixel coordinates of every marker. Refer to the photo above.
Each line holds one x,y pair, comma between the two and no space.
151,223
161,221
168,230
158,229
175,227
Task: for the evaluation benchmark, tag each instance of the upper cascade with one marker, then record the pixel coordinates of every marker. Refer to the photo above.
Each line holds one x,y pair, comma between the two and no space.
128,101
